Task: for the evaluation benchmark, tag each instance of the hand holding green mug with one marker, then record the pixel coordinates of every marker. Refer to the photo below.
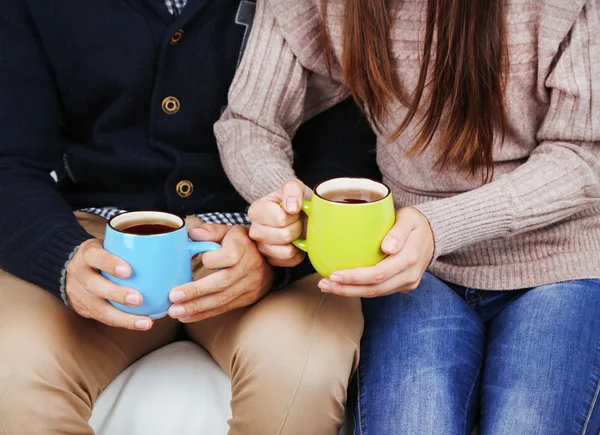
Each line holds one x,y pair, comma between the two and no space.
347,221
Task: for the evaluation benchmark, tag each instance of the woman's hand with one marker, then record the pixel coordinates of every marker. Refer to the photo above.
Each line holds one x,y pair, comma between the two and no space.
410,246
274,228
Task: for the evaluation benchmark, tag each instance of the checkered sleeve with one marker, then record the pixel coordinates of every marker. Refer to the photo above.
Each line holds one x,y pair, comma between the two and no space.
175,6
210,218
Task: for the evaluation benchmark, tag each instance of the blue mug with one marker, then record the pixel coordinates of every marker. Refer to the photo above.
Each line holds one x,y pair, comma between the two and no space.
157,248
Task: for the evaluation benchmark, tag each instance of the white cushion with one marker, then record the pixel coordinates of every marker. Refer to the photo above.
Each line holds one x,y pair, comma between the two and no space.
176,390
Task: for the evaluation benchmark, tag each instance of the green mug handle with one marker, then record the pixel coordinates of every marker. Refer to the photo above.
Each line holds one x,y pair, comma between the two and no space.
300,242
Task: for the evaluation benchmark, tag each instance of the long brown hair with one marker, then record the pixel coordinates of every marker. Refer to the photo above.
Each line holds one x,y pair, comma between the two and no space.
467,82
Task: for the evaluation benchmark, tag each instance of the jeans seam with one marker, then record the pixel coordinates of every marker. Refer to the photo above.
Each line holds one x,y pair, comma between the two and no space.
591,409
310,341
594,396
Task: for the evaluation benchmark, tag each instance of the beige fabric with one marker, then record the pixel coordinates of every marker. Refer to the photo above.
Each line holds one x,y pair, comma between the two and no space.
538,222
290,357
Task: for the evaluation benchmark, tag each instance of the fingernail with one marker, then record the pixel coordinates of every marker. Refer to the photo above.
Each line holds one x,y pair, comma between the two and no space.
176,311
291,205
389,244
199,233
122,271
142,324
324,285
133,299
336,278
185,319
177,296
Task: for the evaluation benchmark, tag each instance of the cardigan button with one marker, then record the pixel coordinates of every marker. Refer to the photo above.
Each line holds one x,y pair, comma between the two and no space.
171,105
176,37
184,188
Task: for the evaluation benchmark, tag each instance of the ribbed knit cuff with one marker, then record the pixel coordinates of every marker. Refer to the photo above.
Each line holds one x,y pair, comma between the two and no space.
269,179
480,214
63,279
54,253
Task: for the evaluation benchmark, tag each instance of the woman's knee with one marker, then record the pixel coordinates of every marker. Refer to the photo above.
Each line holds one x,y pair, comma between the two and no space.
421,358
428,325
542,370
431,298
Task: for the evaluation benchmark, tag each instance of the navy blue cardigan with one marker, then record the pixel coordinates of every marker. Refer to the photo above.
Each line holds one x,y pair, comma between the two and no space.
82,92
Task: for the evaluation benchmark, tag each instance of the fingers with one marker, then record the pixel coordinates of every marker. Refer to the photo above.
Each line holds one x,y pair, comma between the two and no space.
95,256
400,271
96,284
402,283
111,316
213,283
83,270
235,244
381,272
94,307
243,277
269,213
220,292
216,302
276,236
407,220
274,241
396,238
242,292
209,232
235,259
202,315
274,227
292,195
281,255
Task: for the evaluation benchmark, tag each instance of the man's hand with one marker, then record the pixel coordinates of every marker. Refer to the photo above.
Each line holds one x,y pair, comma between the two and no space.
275,227
87,290
242,276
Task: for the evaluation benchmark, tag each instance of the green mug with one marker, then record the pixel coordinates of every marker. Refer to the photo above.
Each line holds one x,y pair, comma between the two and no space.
347,221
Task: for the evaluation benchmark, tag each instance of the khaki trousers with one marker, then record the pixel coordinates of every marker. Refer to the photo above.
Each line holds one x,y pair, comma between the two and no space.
289,356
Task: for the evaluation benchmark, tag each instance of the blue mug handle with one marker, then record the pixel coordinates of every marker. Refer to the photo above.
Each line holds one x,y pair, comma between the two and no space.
201,247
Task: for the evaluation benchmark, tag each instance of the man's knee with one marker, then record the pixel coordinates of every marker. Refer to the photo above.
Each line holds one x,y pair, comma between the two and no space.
38,341
33,374
300,326
297,359
285,342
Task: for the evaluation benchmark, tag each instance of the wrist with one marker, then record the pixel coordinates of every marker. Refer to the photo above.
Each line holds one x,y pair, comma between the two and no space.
429,236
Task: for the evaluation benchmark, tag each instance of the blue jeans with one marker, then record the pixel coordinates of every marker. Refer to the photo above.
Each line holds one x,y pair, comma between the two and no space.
443,357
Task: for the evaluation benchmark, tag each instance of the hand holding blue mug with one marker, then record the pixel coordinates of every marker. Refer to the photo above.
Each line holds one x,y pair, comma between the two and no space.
157,248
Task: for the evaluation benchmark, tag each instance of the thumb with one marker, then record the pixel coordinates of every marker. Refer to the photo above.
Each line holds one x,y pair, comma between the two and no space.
396,238
209,233
292,194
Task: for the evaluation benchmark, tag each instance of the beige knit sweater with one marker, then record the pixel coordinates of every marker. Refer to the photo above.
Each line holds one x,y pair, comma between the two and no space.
538,222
